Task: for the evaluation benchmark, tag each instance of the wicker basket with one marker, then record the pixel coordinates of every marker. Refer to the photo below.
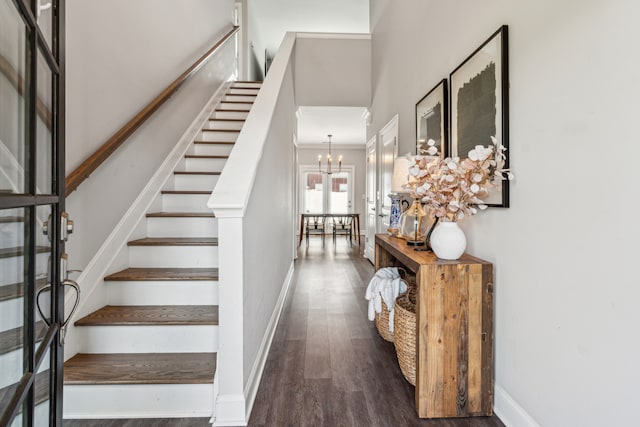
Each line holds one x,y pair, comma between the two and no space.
382,323
382,319
404,324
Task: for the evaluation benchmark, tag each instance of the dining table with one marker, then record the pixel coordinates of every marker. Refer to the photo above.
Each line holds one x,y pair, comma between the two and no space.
355,223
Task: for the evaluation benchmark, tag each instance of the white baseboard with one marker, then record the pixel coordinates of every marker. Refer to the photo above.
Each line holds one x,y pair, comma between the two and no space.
227,409
509,411
253,382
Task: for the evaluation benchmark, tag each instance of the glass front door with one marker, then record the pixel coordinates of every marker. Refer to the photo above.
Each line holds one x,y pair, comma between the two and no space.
327,193
31,203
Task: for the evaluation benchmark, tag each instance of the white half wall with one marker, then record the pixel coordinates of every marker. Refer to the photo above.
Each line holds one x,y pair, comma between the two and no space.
565,291
120,55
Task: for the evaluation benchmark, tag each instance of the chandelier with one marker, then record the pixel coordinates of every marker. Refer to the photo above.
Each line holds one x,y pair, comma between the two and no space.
329,169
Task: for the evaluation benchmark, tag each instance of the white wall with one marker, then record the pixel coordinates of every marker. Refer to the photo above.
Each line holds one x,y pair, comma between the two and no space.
271,19
565,289
350,156
120,55
333,70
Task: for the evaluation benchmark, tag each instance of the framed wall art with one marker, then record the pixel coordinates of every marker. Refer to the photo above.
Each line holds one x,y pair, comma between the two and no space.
479,94
432,121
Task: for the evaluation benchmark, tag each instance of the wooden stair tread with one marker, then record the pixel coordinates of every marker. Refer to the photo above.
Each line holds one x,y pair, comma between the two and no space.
140,368
227,110
42,391
195,173
215,142
16,290
175,241
185,192
215,119
180,215
221,130
204,156
11,339
149,315
164,274
10,219
246,81
19,251
238,102
241,94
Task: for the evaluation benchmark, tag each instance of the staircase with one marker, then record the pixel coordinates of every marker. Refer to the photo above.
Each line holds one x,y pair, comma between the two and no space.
151,351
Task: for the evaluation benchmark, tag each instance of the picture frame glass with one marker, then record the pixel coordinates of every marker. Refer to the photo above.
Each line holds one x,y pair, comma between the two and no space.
432,119
479,103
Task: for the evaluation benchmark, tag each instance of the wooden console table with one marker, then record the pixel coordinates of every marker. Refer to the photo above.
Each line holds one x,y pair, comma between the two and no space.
454,329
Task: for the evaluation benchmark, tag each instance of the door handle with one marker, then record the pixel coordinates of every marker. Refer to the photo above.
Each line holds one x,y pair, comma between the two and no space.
63,328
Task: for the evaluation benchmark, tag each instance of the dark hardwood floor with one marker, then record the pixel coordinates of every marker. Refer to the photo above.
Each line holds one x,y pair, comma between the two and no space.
327,365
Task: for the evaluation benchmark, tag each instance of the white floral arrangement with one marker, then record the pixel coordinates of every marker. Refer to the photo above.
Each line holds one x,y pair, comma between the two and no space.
452,188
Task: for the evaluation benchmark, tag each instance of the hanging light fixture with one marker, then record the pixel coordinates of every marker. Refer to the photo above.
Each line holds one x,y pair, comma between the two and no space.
329,169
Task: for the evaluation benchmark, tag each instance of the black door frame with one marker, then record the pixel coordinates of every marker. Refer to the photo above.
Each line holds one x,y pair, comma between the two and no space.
30,200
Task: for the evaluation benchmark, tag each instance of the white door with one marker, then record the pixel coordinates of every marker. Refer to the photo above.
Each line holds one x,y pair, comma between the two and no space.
370,216
388,152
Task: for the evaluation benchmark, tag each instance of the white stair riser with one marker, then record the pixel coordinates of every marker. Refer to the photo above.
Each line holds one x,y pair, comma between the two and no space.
12,310
11,367
11,268
184,227
239,98
185,202
209,165
162,292
195,182
138,401
224,124
218,136
242,90
149,339
230,114
11,235
212,149
256,85
173,256
235,106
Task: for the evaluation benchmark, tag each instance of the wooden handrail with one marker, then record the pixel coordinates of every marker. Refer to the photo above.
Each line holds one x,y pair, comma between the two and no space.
82,172
16,80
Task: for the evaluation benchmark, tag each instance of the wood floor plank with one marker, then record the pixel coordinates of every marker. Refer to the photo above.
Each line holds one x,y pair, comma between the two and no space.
140,368
316,362
159,274
175,241
112,315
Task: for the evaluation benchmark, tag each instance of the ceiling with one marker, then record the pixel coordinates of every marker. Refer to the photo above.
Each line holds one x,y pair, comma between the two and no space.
346,124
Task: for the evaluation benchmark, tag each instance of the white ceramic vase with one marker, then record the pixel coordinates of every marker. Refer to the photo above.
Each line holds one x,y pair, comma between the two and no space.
448,241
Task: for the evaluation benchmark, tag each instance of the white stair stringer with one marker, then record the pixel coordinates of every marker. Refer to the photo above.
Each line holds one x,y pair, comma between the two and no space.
179,212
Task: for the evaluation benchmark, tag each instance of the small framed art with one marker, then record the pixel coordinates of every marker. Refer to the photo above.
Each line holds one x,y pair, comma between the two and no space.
432,119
